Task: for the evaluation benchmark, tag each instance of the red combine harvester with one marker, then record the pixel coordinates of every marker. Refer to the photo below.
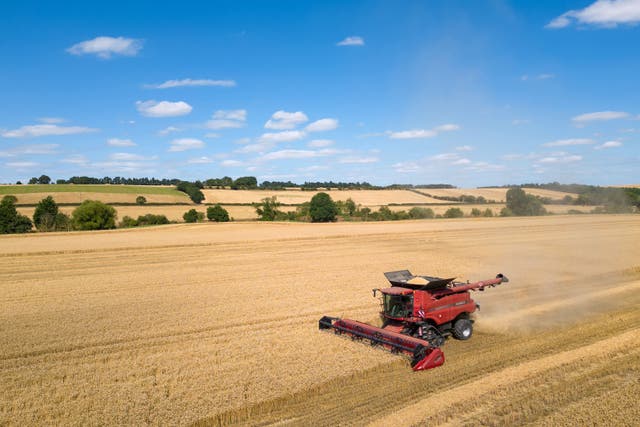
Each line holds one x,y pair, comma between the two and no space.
418,314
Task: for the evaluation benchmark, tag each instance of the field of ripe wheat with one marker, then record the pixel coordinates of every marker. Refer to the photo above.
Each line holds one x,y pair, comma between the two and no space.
293,197
495,194
217,324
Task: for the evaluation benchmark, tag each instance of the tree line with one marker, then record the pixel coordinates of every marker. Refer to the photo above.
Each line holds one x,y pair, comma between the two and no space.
89,215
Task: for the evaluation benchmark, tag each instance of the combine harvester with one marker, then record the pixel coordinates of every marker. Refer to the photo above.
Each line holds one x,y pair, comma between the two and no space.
418,314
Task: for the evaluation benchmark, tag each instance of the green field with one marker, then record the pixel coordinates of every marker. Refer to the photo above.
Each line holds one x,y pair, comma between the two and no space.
89,188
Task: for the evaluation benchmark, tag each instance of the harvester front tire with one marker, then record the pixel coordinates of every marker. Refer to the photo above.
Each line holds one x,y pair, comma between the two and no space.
462,329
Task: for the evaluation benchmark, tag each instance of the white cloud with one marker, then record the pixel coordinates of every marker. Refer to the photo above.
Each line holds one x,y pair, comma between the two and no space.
297,154
105,47
117,142
462,162
423,133
351,41
599,116
406,167
163,108
602,13
285,120
563,158
168,130
320,143
21,165
33,131
231,163
570,141
358,160
192,82
445,156
30,149
227,119
464,148
126,156
285,136
183,144
290,154
260,147
413,133
75,159
51,120
608,144
200,160
124,166
212,135
446,128
484,167
322,125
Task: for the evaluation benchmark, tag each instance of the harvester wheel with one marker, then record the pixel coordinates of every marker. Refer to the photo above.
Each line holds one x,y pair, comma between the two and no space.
463,329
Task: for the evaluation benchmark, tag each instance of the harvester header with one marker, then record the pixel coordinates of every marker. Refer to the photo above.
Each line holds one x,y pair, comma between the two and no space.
418,314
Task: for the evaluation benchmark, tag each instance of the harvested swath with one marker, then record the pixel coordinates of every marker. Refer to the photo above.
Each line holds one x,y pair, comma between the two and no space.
187,322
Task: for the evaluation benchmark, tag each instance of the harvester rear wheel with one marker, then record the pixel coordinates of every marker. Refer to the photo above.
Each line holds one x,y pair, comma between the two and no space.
462,329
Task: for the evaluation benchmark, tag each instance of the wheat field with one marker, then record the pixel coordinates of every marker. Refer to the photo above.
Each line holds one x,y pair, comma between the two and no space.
216,324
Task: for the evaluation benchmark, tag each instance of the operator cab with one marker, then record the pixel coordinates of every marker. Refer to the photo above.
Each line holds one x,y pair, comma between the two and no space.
397,302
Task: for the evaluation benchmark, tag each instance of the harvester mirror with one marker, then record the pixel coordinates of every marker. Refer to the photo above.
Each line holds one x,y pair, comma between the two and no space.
374,291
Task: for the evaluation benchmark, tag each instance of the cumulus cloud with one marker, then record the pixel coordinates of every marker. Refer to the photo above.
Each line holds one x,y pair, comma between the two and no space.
183,144
200,160
285,120
406,167
322,125
30,149
423,133
154,108
297,154
351,41
192,82
570,141
21,165
33,131
602,13
75,159
106,47
168,130
320,143
412,134
227,119
51,120
126,156
118,142
560,158
446,128
445,156
461,162
464,148
599,116
285,136
608,144
231,163
358,160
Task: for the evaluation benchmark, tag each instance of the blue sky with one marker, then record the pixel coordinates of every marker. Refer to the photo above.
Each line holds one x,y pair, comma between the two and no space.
461,92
